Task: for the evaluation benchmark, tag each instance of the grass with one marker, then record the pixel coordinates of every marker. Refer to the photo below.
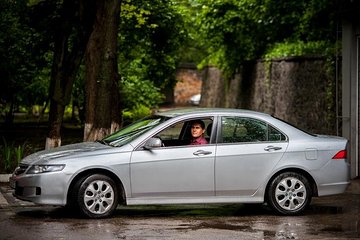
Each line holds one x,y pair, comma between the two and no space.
11,155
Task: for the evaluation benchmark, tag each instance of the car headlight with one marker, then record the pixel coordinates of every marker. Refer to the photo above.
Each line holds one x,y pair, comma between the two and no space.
35,169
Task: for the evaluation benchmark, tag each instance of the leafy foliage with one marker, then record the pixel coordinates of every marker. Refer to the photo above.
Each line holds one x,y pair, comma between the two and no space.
24,50
137,112
139,96
139,91
11,155
192,49
155,35
235,31
300,48
151,33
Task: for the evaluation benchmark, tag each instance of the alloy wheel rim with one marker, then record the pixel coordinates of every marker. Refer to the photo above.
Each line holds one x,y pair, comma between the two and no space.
290,194
99,197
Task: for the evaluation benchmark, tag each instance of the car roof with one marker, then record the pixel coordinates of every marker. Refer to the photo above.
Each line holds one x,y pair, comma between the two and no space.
193,111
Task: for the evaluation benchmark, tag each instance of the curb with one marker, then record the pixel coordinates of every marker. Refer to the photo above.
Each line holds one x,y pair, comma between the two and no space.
354,186
4,178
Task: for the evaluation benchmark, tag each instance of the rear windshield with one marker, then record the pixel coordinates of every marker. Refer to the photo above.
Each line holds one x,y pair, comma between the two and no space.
304,131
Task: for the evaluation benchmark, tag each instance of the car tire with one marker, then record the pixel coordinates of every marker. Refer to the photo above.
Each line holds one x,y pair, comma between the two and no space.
289,193
96,196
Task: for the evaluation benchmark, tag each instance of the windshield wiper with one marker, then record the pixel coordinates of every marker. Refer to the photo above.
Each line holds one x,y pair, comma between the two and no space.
102,142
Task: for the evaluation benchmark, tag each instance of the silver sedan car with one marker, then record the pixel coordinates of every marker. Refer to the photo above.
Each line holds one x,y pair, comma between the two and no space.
249,157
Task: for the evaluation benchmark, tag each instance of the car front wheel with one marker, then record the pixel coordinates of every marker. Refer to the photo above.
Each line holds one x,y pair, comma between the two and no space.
97,196
289,193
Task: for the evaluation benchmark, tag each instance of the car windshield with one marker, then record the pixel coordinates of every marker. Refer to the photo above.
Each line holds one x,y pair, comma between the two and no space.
129,133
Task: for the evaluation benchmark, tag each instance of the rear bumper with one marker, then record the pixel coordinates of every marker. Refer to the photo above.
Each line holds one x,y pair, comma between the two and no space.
336,178
332,188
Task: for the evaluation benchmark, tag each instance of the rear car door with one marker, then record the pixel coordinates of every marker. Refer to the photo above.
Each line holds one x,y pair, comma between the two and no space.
248,149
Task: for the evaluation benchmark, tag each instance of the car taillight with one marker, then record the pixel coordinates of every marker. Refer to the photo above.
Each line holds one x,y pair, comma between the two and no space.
340,155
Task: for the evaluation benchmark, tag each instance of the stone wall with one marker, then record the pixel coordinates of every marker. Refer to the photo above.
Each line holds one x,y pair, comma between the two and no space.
298,90
213,89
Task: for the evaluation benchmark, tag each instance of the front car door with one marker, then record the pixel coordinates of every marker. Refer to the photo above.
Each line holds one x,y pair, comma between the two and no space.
176,170
248,149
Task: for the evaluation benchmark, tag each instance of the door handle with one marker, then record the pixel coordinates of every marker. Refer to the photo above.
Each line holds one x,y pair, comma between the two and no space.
272,148
201,153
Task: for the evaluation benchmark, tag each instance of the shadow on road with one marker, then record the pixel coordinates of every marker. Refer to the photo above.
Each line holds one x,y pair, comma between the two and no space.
154,211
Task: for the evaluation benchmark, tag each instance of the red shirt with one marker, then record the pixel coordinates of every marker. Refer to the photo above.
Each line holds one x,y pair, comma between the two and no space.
199,141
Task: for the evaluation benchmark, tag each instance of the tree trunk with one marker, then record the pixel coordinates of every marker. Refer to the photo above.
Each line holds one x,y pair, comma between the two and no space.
55,120
70,41
9,116
101,78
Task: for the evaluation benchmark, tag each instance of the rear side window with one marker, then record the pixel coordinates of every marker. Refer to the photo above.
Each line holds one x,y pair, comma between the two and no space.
239,129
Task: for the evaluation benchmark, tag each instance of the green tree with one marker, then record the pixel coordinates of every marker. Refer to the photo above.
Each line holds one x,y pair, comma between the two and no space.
22,58
151,34
75,22
101,80
193,48
235,31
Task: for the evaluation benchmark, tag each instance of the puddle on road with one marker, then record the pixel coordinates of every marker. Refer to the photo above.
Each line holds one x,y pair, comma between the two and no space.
220,225
322,219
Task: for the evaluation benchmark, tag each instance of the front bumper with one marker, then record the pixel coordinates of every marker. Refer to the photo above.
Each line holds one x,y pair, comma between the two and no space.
45,188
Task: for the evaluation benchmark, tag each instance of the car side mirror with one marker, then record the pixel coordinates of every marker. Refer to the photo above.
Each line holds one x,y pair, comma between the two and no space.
153,143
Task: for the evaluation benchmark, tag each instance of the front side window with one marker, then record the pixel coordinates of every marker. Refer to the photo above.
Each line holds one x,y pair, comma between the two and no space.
171,133
238,129
181,133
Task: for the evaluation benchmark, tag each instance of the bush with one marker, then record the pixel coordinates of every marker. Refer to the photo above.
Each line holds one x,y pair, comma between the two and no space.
300,48
135,113
140,92
11,155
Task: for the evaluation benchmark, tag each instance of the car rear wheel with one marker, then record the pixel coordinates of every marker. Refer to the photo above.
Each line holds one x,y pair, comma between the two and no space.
289,193
96,196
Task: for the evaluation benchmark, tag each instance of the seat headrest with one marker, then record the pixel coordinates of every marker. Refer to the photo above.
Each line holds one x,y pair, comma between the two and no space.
208,129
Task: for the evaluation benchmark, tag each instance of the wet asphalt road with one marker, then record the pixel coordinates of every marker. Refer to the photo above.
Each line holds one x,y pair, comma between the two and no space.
336,217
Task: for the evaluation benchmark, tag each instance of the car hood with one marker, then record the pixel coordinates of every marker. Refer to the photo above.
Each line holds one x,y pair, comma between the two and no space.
72,150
